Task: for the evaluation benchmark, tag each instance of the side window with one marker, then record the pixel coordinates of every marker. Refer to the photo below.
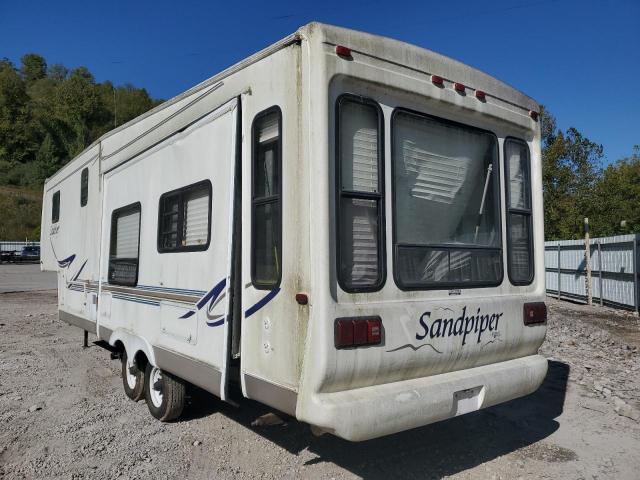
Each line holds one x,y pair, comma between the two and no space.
125,245
519,222
266,202
84,187
184,219
360,201
55,207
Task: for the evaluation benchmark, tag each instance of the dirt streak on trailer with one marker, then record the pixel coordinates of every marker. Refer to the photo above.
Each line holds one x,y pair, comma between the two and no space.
347,227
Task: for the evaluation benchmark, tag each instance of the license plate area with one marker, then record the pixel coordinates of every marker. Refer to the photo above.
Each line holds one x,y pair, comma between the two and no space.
467,400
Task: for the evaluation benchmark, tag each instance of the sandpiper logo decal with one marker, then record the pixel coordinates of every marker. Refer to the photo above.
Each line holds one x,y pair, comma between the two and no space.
468,327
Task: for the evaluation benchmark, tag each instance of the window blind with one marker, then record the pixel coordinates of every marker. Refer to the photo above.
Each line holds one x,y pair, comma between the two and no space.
196,215
127,234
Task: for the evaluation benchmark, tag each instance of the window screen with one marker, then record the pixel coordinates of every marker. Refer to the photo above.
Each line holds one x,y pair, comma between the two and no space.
519,234
55,207
266,204
184,219
124,246
360,195
84,187
446,203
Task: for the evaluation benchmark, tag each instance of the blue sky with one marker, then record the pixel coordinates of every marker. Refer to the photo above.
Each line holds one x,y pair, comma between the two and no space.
579,58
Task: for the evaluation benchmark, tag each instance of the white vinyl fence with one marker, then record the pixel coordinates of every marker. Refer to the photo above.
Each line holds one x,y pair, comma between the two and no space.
15,246
614,270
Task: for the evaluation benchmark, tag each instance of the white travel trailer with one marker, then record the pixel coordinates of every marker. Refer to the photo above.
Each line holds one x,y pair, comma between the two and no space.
347,227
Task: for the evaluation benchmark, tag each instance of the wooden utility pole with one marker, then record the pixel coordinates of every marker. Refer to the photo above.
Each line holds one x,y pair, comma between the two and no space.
587,257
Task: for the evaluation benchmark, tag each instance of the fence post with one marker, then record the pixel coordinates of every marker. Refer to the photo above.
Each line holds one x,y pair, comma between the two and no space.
587,258
600,272
559,255
635,272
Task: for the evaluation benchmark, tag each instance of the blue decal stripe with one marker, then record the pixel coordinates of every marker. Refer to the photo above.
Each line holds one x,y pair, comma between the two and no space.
212,294
67,261
266,299
79,271
136,300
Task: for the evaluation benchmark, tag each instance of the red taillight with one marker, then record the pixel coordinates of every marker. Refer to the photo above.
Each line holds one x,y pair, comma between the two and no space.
459,87
359,332
480,95
302,298
437,80
343,51
535,313
355,332
533,115
374,331
343,333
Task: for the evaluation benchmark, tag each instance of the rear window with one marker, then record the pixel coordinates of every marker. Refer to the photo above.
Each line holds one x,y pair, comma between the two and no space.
360,202
519,223
446,203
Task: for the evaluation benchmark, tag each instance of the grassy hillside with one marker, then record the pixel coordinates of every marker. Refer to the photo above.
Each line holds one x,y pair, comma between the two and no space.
20,213
48,114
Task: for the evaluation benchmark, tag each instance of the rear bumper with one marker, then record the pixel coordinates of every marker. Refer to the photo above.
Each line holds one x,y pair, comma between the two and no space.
370,412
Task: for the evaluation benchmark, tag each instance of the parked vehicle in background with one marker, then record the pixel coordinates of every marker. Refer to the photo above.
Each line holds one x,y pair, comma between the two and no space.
346,227
28,254
7,256
19,252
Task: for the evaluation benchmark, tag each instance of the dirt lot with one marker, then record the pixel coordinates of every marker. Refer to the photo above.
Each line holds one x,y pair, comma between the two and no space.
63,414
15,277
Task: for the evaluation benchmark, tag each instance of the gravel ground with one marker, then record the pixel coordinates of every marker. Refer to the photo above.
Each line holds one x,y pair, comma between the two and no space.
63,414
17,277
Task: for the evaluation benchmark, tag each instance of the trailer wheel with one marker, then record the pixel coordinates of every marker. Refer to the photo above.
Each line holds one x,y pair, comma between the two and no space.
164,393
132,378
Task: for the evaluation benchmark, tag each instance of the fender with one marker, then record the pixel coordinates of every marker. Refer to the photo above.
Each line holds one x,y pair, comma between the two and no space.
133,344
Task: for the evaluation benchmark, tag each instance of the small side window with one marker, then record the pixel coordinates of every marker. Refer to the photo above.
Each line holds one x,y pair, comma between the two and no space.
84,187
124,247
360,203
519,222
55,207
184,219
266,203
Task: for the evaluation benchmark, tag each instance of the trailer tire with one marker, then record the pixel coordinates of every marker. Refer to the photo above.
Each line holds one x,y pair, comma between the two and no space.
164,393
133,382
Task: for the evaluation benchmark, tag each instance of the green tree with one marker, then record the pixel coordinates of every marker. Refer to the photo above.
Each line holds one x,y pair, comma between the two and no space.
79,106
570,172
49,114
617,197
33,68
13,115
58,72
